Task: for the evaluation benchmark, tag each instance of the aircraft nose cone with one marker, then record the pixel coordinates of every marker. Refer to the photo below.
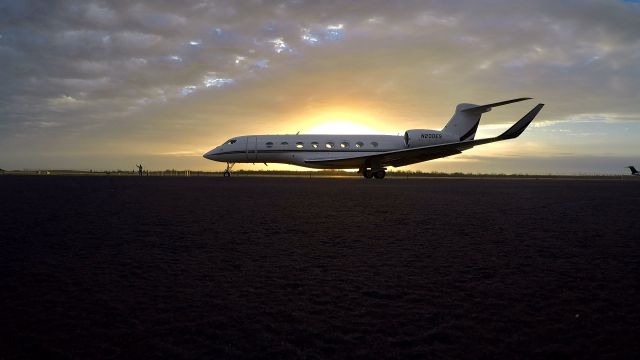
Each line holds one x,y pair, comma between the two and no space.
209,154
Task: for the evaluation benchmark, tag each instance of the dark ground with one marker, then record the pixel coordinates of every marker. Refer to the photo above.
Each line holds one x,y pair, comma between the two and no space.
112,267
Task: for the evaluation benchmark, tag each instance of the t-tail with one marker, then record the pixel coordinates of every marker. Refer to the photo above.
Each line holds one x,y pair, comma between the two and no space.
633,171
464,122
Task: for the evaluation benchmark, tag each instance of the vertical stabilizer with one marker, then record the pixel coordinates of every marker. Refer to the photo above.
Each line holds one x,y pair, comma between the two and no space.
463,124
633,170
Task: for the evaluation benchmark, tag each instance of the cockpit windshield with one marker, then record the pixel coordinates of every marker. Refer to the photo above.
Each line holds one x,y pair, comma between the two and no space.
232,141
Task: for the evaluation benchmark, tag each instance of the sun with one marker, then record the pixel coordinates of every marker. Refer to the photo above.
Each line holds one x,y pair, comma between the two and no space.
339,127
340,122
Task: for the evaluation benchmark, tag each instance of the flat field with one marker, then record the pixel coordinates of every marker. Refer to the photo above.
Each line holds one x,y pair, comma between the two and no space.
256,267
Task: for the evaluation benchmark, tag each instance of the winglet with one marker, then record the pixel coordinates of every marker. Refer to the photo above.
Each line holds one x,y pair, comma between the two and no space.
487,107
516,129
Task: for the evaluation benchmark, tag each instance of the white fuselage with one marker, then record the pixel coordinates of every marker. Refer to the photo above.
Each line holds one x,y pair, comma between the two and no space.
297,149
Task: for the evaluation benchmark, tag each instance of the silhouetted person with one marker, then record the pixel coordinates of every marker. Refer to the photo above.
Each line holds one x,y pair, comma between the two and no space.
139,169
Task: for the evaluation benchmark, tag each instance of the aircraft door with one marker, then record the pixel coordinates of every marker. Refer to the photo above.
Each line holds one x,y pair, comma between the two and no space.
252,148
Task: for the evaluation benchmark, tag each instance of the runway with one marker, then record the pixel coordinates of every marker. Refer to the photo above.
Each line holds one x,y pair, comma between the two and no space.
253,267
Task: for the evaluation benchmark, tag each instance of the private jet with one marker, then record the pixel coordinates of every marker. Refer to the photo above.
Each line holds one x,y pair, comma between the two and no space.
370,154
634,172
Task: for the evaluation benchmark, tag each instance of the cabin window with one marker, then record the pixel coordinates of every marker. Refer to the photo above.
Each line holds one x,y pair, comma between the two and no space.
329,145
284,143
269,144
374,144
314,145
344,145
232,141
359,144
299,145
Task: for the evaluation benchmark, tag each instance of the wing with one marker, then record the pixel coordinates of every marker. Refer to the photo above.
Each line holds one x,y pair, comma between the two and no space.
418,154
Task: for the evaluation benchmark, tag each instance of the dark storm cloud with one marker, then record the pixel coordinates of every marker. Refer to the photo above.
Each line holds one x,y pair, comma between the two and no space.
77,74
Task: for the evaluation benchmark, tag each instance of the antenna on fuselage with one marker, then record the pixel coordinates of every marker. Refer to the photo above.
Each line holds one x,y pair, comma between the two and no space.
298,133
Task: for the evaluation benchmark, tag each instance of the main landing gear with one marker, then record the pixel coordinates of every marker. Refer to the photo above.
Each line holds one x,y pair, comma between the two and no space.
227,171
378,174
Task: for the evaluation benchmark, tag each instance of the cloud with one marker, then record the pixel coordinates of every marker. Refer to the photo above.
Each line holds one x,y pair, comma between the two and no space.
192,73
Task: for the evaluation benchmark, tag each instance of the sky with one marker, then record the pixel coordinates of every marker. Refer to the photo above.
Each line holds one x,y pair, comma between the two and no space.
105,85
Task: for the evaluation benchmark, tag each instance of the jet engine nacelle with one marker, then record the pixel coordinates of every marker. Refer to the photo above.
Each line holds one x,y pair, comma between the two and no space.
424,137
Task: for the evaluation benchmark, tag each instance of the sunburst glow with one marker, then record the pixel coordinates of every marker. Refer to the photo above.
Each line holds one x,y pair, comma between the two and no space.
340,127
342,122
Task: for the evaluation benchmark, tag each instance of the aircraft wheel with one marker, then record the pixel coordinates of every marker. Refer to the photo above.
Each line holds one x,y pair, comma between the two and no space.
368,174
226,173
380,174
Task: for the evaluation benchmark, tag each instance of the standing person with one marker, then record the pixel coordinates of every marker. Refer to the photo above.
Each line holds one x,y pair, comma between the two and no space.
139,169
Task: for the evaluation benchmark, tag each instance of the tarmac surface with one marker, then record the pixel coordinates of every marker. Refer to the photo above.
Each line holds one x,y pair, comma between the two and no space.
208,267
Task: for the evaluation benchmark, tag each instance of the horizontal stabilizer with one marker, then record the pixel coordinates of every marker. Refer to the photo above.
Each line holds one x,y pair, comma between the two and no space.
485,108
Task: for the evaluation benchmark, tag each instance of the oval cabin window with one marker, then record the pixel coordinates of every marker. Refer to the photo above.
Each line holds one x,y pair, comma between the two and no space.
359,144
314,145
299,145
284,143
374,144
269,144
329,145
344,145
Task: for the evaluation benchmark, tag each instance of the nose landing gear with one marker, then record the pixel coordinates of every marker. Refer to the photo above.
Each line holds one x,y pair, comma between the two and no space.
227,171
